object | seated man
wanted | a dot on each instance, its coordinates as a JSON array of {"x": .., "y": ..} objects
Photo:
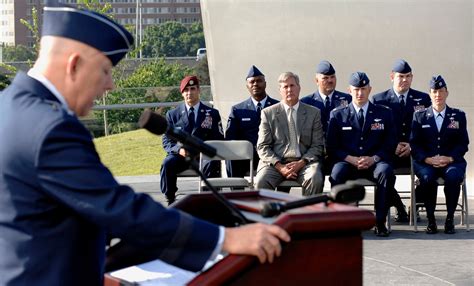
[
  {"x": 360, "y": 142},
  {"x": 403, "y": 101},
  {"x": 326, "y": 98},
  {"x": 244, "y": 120},
  {"x": 438, "y": 142},
  {"x": 198, "y": 120},
  {"x": 290, "y": 141}
]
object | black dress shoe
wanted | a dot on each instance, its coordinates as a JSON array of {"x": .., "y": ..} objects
[
  {"x": 380, "y": 230},
  {"x": 449, "y": 226},
  {"x": 432, "y": 228},
  {"x": 401, "y": 215}
]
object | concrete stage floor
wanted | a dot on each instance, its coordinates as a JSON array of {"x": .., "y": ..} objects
[{"x": 404, "y": 258}]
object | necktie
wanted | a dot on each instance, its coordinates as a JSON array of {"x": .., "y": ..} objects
[
  {"x": 361, "y": 118},
  {"x": 259, "y": 109},
  {"x": 293, "y": 137},
  {"x": 402, "y": 100},
  {"x": 191, "y": 119},
  {"x": 327, "y": 104}
]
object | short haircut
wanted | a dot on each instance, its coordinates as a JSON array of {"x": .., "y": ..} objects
[{"x": 286, "y": 75}]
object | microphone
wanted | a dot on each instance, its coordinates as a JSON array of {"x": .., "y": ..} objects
[
  {"x": 346, "y": 193},
  {"x": 158, "y": 125}
]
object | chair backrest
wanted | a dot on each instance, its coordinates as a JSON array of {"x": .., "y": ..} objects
[{"x": 231, "y": 150}]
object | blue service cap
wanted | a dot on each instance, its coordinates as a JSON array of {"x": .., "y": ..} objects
[
  {"x": 325, "y": 68},
  {"x": 437, "y": 82},
  {"x": 253, "y": 72},
  {"x": 401, "y": 66},
  {"x": 359, "y": 79},
  {"x": 88, "y": 27}
]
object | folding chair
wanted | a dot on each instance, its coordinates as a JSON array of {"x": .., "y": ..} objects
[
  {"x": 463, "y": 204},
  {"x": 229, "y": 150}
]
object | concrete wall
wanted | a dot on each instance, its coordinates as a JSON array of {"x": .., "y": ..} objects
[{"x": 434, "y": 36}]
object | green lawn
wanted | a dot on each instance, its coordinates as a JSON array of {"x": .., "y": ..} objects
[{"x": 131, "y": 153}]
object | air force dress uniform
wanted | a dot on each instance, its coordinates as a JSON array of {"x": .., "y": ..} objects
[
  {"x": 337, "y": 99},
  {"x": 346, "y": 136},
  {"x": 450, "y": 140},
  {"x": 243, "y": 123},
  {"x": 58, "y": 202},
  {"x": 413, "y": 100},
  {"x": 207, "y": 126}
]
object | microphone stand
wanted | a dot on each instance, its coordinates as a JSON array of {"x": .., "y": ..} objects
[{"x": 241, "y": 220}]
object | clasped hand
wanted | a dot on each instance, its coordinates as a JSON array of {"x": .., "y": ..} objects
[
  {"x": 290, "y": 170},
  {"x": 439, "y": 161}
]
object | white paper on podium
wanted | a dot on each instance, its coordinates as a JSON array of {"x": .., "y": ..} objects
[
  {"x": 154, "y": 273},
  {"x": 159, "y": 273}
]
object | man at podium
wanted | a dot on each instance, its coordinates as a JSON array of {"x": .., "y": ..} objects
[{"x": 58, "y": 202}]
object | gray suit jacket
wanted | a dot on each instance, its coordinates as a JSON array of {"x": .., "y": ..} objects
[{"x": 274, "y": 138}]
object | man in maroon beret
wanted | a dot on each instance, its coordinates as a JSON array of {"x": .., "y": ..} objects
[{"x": 197, "y": 119}]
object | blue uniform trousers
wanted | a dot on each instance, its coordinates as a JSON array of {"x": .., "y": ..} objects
[
  {"x": 453, "y": 176},
  {"x": 381, "y": 173},
  {"x": 174, "y": 164}
]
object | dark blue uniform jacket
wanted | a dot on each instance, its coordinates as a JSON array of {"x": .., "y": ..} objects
[{"x": 58, "y": 201}]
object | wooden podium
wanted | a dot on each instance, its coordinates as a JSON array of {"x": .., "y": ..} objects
[{"x": 325, "y": 247}]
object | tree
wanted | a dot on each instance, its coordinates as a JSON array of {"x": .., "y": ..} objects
[
  {"x": 156, "y": 81},
  {"x": 4, "y": 81},
  {"x": 172, "y": 39},
  {"x": 18, "y": 53}
]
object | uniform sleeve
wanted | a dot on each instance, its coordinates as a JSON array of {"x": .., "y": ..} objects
[
  {"x": 71, "y": 174},
  {"x": 217, "y": 130},
  {"x": 416, "y": 142},
  {"x": 335, "y": 151},
  {"x": 232, "y": 126},
  {"x": 460, "y": 147},
  {"x": 170, "y": 145}
]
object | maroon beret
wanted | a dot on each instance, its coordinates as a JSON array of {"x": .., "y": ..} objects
[{"x": 190, "y": 80}]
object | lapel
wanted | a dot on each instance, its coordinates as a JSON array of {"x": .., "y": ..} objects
[
  {"x": 431, "y": 120},
  {"x": 446, "y": 120},
  {"x": 353, "y": 117},
  {"x": 270, "y": 101},
  {"x": 300, "y": 120},
  {"x": 318, "y": 97},
  {"x": 182, "y": 112},
  {"x": 369, "y": 118},
  {"x": 200, "y": 116},
  {"x": 282, "y": 120},
  {"x": 249, "y": 105}
]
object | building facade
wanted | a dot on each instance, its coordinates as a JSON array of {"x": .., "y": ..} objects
[{"x": 126, "y": 12}]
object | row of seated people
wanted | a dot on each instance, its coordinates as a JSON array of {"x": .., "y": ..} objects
[{"x": 343, "y": 133}]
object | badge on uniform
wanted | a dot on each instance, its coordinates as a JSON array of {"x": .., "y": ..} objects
[
  {"x": 453, "y": 124},
  {"x": 207, "y": 122},
  {"x": 377, "y": 125},
  {"x": 418, "y": 108},
  {"x": 343, "y": 103}
]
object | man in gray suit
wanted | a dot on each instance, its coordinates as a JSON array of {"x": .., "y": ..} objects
[{"x": 290, "y": 141}]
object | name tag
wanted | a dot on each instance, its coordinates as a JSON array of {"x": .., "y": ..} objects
[
  {"x": 347, "y": 128},
  {"x": 425, "y": 126},
  {"x": 245, "y": 119}
]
